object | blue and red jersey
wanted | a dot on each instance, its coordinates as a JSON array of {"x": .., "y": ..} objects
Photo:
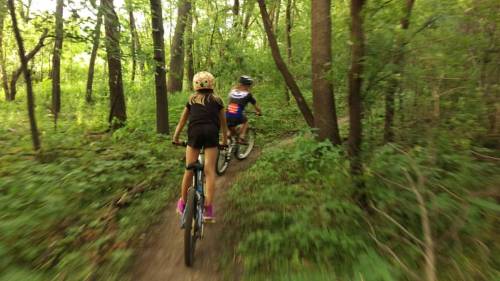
[{"x": 238, "y": 100}]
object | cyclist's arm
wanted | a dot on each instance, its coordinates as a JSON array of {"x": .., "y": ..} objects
[
  {"x": 182, "y": 123},
  {"x": 223, "y": 125},
  {"x": 257, "y": 109},
  {"x": 253, "y": 101}
]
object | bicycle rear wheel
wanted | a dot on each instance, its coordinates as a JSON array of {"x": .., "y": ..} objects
[
  {"x": 190, "y": 227},
  {"x": 245, "y": 149},
  {"x": 222, "y": 163}
]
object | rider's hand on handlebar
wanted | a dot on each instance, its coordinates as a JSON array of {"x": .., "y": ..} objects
[
  {"x": 176, "y": 141},
  {"x": 223, "y": 145}
]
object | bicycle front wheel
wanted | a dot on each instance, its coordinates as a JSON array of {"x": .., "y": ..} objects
[
  {"x": 245, "y": 149},
  {"x": 222, "y": 162},
  {"x": 190, "y": 227}
]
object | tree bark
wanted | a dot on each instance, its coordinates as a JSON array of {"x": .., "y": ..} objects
[
  {"x": 281, "y": 65},
  {"x": 29, "y": 88},
  {"x": 135, "y": 45},
  {"x": 277, "y": 16},
  {"x": 176, "y": 71},
  {"x": 160, "y": 74},
  {"x": 93, "y": 55},
  {"x": 17, "y": 73},
  {"x": 236, "y": 11},
  {"x": 394, "y": 83},
  {"x": 355, "y": 99},
  {"x": 117, "y": 98},
  {"x": 288, "y": 19},
  {"x": 248, "y": 16},
  {"x": 56, "y": 60},
  {"x": 3, "y": 71},
  {"x": 288, "y": 35},
  {"x": 189, "y": 47},
  {"x": 325, "y": 115}
]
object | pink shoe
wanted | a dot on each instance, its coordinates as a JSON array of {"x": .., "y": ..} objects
[
  {"x": 208, "y": 215},
  {"x": 181, "y": 205}
]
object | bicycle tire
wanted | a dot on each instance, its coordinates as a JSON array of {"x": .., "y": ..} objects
[
  {"x": 190, "y": 228},
  {"x": 222, "y": 164},
  {"x": 244, "y": 150}
]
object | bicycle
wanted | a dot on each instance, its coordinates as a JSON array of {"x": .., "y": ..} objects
[
  {"x": 192, "y": 219},
  {"x": 240, "y": 150}
]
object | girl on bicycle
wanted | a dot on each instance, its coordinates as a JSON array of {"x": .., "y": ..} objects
[
  {"x": 239, "y": 97},
  {"x": 206, "y": 115}
]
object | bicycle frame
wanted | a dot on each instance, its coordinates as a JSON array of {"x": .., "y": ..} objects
[{"x": 198, "y": 185}]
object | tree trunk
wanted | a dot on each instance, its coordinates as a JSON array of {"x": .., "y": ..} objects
[
  {"x": 189, "y": 47},
  {"x": 394, "y": 83},
  {"x": 325, "y": 115},
  {"x": 160, "y": 75},
  {"x": 3, "y": 71},
  {"x": 277, "y": 16},
  {"x": 56, "y": 60},
  {"x": 117, "y": 99},
  {"x": 209, "y": 60},
  {"x": 288, "y": 35},
  {"x": 355, "y": 99},
  {"x": 93, "y": 55},
  {"x": 288, "y": 30},
  {"x": 176, "y": 71},
  {"x": 29, "y": 88},
  {"x": 281, "y": 65},
  {"x": 133, "y": 51},
  {"x": 17, "y": 73},
  {"x": 135, "y": 45},
  {"x": 236, "y": 12},
  {"x": 248, "y": 16}
]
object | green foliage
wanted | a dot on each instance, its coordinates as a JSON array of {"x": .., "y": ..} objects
[
  {"x": 299, "y": 216},
  {"x": 297, "y": 210},
  {"x": 450, "y": 182},
  {"x": 59, "y": 211}
]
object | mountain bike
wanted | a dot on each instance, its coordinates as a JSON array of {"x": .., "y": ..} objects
[
  {"x": 236, "y": 148},
  {"x": 192, "y": 219}
]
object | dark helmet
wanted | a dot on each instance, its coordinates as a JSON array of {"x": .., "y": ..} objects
[{"x": 246, "y": 80}]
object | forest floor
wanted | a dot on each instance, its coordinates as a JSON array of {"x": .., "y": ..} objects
[{"x": 162, "y": 254}]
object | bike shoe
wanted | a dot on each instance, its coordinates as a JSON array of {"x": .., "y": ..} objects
[
  {"x": 181, "y": 205},
  {"x": 208, "y": 215}
]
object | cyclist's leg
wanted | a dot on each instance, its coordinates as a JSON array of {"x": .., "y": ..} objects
[
  {"x": 191, "y": 157},
  {"x": 210, "y": 160},
  {"x": 244, "y": 128}
]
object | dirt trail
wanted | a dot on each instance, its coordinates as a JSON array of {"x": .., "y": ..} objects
[{"x": 162, "y": 257}]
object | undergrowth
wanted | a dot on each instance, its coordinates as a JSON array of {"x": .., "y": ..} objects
[{"x": 292, "y": 216}]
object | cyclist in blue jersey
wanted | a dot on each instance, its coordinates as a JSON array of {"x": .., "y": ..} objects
[{"x": 239, "y": 97}]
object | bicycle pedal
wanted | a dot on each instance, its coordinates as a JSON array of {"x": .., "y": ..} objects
[{"x": 210, "y": 221}]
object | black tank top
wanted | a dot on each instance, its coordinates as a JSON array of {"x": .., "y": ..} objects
[{"x": 204, "y": 109}]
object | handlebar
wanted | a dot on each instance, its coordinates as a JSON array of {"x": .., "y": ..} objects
[
  {"x": 254, "y": 113},
  {"x": 182, "y": 143}
]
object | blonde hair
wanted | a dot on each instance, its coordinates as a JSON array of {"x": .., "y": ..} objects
[{"x": 200, "y": 98}]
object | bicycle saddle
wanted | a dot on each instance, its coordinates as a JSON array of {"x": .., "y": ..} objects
[{"x": 195, "y": 166}]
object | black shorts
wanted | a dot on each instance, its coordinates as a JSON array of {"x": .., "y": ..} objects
[
  {"x": 201, "y": 136},
  {"x": 233, "y": 121}
]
